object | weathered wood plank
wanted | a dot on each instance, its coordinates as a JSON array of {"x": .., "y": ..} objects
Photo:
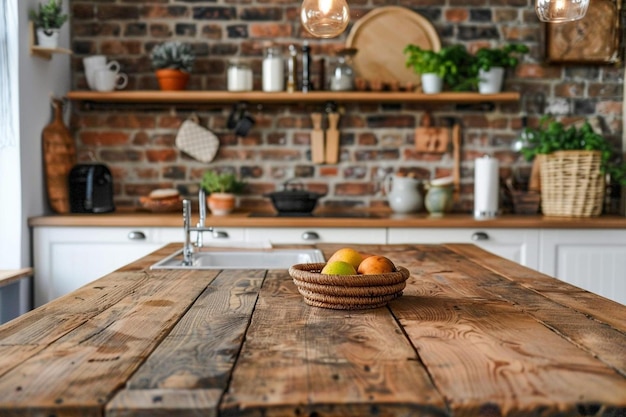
[
  {"x": 38, "y": 328},
  {"x": 9, "y": 276},
  {"x": 581, "y": 328},
  {"x": 199, "y": 353},
  {"x": 299, "y": 360},
  {"x": 166, "y": 403},
  {"x": 562, "y": 292},
  {"x": 90, "y": 362},
  {"x": 44, "y": 325},
  {"x": 480, "y": 347}
]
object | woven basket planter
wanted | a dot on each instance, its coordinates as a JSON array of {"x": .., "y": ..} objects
[
  {"x": 347, "y": 292},
  {"x": 572, "y": 184}
]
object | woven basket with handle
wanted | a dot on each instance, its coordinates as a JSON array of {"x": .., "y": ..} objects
[
  {"x": 347, "y": 292},
  {"x": 572, "y": 184}
]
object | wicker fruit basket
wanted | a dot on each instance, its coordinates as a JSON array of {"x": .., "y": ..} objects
[
  {"x": 347, "y": 292},
  {"x": 572, "y": 184}
]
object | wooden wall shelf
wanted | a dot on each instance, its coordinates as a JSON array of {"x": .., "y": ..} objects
[
  {"x": 209, "y": 97},
  {"x": 46, "y": 53},
  {"x": 40, "y": 51}
]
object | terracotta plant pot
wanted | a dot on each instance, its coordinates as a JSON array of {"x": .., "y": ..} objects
[
  {"x": 221, "y": 204},
  {"x": 172, "y": 79}
]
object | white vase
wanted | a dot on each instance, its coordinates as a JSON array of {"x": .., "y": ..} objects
[
  {"x": 490, "y": 82},
  {"x": 431, "y": 83},
  {"x": 48, "y": 40}
]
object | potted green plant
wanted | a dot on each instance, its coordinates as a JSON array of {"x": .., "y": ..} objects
[
  {"x": 48, "y": 18},
  {"x": 173, "y": 62},
  {"x": 447, "y": 67},
  {"x": 221, "y": 189},
  {"x": 573, "y": 164},
  {"x": 490, "y": 64}
]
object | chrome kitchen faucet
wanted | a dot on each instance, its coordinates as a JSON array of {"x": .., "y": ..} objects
[{"x": 200, "y": 227}]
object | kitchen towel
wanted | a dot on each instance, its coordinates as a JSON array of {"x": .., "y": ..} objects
[
  {"x": 197, "y": 141},
  {"x": 486, "y": 185}
]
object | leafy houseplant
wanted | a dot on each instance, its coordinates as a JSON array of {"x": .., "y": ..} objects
[
  {"x": 552, "y": 136},
  {"x": 451, "y": 64},
  {"x": 173, "y": 61},
  {"x": 48, "y": 19},
  {"x": 573, "y": 163},
  {"x": 222, "y": 188},
  {"x": 490, "y": 63}
]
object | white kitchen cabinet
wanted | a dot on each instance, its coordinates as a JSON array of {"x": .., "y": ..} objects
[
  {"x": 519, "y": 245},
  {"x": 282, "y": 235},
  {"x": 66, "y": 258},
  {"x": 594, "y": 260}
]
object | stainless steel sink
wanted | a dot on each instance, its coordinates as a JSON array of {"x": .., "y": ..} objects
[{"x": 242, "y": 259}]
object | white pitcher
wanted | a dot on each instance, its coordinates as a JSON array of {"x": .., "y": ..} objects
[{"x": 403, "y": 194}]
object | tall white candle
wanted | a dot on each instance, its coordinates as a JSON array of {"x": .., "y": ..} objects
[{"x": 486, "y": 187}]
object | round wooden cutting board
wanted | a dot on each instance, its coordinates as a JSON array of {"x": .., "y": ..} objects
[{"x": 381, "y": 36}]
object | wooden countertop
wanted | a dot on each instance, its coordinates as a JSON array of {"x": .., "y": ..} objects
[
  {"x": 473, "y": 335},
  {"x": 364, "y": 219}
]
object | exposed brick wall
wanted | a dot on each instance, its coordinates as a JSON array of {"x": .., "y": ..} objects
[{"x": 137, "y": 141}]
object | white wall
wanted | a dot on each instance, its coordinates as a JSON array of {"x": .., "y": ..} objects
[{"x": 37, "y": 79}]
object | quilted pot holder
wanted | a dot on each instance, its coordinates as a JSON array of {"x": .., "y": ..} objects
[{"x": 197, "y": 141}]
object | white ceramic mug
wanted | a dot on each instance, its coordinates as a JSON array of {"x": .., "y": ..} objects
[
  {"x": 97, "y": 62},
  {"x": 109, "y": 80}
]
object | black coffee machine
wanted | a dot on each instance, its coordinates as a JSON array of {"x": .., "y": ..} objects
[{"x": 91, "y": 189}]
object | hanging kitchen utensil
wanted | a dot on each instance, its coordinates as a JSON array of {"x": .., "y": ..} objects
[
  {"x": 317, "y": 139},
  {"x": 429, "y": 138},
  {"x": 197, "y": 141},
  {"x": 240, "y": 120},
  {"x": 59, "y": 153},
  {"x": 332, "y": 138},
  {"x": 456, "y": 149}
]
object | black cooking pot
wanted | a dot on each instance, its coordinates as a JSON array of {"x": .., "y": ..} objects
[{"x": 294, "y": 199}]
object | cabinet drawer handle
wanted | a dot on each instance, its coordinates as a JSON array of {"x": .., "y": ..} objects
[
  {"x": 220, "y": 234},
  {"x": 136, "y": 235},
  {"x": 480, "y": 236},
  {"x": 310, "y": 236}
]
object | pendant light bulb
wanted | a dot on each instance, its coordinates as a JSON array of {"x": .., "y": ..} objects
[
  {"x": 325, "y": 18},
  {"x": 557, "y": 11}
]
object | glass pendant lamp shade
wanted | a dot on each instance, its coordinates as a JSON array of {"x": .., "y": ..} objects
[
  {"x": 325, "y": 18},
  {"x": 561, "y": 10}
]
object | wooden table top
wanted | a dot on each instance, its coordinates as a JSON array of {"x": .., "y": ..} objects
[{"x": 473, "y": 335}]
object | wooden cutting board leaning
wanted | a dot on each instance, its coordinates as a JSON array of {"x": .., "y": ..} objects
[
  {"x": 317, "y": 139},
  {"x": 332, "y": 139}
]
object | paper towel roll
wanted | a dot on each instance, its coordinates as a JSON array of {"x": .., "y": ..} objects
[{"x": 486, "y": 187}]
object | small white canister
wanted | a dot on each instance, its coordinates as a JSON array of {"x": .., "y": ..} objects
[{"x": 239, "y": 76}]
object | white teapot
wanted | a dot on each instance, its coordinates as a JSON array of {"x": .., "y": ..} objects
[{"x": 403, "y": 194}]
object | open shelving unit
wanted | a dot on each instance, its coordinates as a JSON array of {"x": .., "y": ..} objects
[{"x": 157, "y": 96}]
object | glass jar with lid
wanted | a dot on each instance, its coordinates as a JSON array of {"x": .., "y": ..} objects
[
  {"x": 273, "y": 69},
  {"x": 342, "y": 76},
  {"x": 239, "y": 75}
]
